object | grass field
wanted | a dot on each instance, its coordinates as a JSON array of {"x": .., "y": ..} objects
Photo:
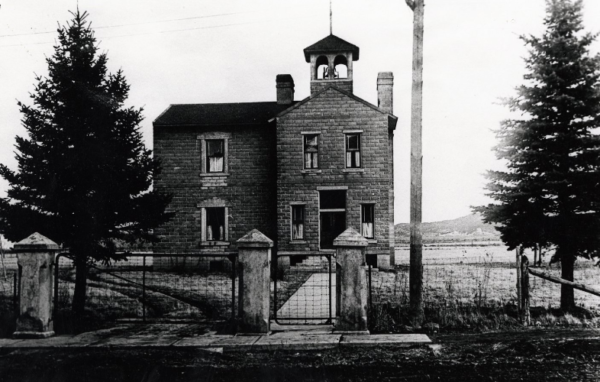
[
  {"x": 467, "y": 286},
  {"x": 476, "y": 274}
]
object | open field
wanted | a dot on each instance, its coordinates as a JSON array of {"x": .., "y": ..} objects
[{"x": 487, "y": 274}]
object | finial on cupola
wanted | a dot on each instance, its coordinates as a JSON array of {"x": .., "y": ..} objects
[{"x": 330, "y": 18}]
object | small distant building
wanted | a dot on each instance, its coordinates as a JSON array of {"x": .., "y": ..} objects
[{"x": 301, "y": 172}]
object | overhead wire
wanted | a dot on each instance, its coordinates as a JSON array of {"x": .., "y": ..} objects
[
  {"x": 133, "y": 24},
  {"x": 168, "y": 31}
]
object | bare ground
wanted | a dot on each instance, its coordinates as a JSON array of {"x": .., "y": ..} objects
[{"x": 561, "y": 355}]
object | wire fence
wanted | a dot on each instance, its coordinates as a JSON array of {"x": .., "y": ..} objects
[
  {"x": 9, "y": 292},
  {"x": 304, "y": 289},
  {"x": 171, "y": 287},
  {"x": 477, "y": 284}
]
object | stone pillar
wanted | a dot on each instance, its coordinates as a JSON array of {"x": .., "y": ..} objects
[
  {"x": 352, "y": 280},
  {"x": 35, "y": 256},
  {"x": 255, "y": 262}
]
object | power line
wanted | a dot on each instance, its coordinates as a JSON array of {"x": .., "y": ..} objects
[
  {"x": 170, "y": 31},
  {"x": 141, "y": 23}
]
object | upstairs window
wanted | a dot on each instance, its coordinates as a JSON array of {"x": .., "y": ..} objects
[
  {"x": 311, "y": 151},
  {"x": 297, "y": 222},
  {"x": 215, "y": 155},
  {"x": 353, "y": 158},
  {"x": 368, "y": 220},
  {"x": 215, "y": 224}
]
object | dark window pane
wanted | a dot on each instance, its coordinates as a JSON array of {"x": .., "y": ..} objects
[
  {"x": 311, "y": 143},
  {"x": 215, "y": 223},
  {"x": 297, "y": 222},
  {"x": 353, "y": 142},
  {"x": 214, "y": 147},
  {"x": 332, "y": 199},
  {"x": 368, "y": 220}
]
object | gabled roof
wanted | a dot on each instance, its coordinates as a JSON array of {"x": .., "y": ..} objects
[
  {"x": 211, "y": 114},
  {"x": 331, "y": 44},
  {"x": 392, "y": 119}
]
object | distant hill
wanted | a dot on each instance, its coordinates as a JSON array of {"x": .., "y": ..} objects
[{"x": 466, "y": 228}]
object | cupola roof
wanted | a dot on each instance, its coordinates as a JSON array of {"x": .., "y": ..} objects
[{"x": 331, "y": 44}]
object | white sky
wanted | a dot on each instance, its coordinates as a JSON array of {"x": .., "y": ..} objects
[{"x": 205, "y": 51}]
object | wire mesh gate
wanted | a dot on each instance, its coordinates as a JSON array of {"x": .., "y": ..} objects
[
  {"x": 10, "y": 276},
  {"x": 165, "y": 287},
  {"x": 304, "y": 289}
]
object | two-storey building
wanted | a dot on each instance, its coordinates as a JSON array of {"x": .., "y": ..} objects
[{"x": 300, "y": 172}]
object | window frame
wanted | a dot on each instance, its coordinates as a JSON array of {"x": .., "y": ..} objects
[
  {"x": 202, "y": 149},
  {"x": 208, "y": 156},
  {"x": 348, "y": 150},
  {"x": 204, "y": 225},
  {"x": 363, "y": 206},
  {"x": 301, "y": 207},
  {"x": 305, "y": 137}
]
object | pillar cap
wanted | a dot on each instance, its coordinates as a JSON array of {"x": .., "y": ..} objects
[
  {"x": 350, "y": 238},
  {"x": 255, "y": 239},
  {"x": 35, "y": 241}
]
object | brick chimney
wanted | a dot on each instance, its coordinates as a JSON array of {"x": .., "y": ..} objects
[
  {"x": 285, "y": 89},
  {"x": 385, "y": 95}
]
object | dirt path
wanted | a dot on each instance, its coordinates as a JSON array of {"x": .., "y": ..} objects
[{"x": 559, "y": 355}]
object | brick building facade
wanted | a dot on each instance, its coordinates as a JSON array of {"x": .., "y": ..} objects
[{"x": 300, "y": 172}]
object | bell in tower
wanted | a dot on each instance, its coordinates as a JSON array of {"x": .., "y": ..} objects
[{"x": 331, "y": 63}]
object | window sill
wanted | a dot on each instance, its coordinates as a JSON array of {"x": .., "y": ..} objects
[
  {"x": 311, "y": 171},
  {"x": 327, "y": 250},
  {"x": 372, "y": 241},
  {"x": 347, "y": 170},
  {"x": 214, "y": 243},
  {"x": 213, "y": 174},
  {"x": 298, "y": 242}
]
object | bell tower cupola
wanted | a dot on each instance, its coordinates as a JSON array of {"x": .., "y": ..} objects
[{"x": 331, "y": 63}]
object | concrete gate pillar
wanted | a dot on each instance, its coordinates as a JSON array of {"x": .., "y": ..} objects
[
  {"x": 255, "y": 262},
  {"x": 36, "y": 260},
  {"x": 352, "y": 281}
]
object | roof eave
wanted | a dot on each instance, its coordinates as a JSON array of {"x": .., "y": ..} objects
[{"x": 161, "y": 114}]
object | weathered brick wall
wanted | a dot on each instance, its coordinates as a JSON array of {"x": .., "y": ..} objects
[
  {"x": 248, "y": 191},
  {"x": 331, "y": 113},
  {"x": 318, "y": 85}
]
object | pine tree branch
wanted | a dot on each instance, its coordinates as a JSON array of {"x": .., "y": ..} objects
[{"x": 411, "y": 4}]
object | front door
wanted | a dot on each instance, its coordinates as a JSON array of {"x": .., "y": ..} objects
[
  {"x": 332, "y": 216},
  {"x": 332, "y": 225}
]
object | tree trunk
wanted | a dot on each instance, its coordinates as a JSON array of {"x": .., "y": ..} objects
[
  {"x": 79, "y": 294},
  {"x": 416, "y": 166},
  {"x": 567, "y": 295}
]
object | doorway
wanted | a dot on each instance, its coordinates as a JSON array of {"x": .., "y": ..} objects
[{"x": 332, "y": 216}]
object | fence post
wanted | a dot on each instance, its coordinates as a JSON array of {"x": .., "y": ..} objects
[
  {"x": 144, "y": 288},
  {"x": 255, "y": 262},
  {"x": 525, "y": 314},
  {"x": 350, "y": 246},
  {"x": 15, "y": 294},
  {"x": 518, "y": 266},
  {"x": 35, "y": 256}
]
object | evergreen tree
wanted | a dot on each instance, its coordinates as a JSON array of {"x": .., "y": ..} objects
[
  {"x": 550, "y": 193},
  {"x": 84, "y": 175}
]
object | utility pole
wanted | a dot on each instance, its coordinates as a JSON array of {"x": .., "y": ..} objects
[{"x": 416, "y": 166}]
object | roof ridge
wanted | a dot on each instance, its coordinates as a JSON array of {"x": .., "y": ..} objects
[{"x": 219, "y": 103}]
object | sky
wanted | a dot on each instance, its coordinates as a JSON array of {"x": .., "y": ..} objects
[{"x": 206, "y": 51}]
